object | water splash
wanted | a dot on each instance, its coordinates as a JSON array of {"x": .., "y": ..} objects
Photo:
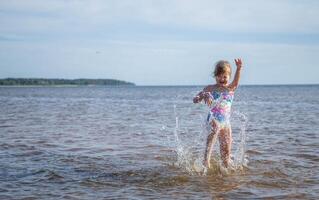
[
  {"x": 189, "y": 147},
  {"x": 240, "y": 158},
  {"x": 185, "y": 152}
]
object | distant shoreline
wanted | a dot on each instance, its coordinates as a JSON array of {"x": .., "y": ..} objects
[
  {"x": 56, "y": 82},
  {"x": 61, "y": 86}
]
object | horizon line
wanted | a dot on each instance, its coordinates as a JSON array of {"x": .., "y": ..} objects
[
  {"x": 90, "y": 85},
  {"x": 172, "y": 85},
  {"x": 258, "y": 84}
]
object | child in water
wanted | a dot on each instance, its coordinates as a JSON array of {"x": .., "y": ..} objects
[{"x": 219, "y": 98}]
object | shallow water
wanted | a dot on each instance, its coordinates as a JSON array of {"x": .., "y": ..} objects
[{"x": 147, "y": 143}]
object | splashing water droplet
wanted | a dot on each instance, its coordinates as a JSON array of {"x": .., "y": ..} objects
[{"x": 190, "y": 151}]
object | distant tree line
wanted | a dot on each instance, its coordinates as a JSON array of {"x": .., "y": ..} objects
[{"x": 54, "y": 81}]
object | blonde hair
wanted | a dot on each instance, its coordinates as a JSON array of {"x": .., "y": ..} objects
[{"x": 222, "y": 67}]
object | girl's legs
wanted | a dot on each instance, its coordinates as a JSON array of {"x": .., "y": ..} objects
[
  {"x": 211, "y": 140},
  {"x": 225, "y": 141}
]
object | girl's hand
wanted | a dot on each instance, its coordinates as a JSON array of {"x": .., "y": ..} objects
[
  {"x": 239, "y": 63},
  {"x": 203, "y": 96},
  {"x": 198, "y": 98}
]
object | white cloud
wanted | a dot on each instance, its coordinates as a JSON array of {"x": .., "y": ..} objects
[
  {"x": 236, "y": 16},
  {"x": 167, "y": 61}
]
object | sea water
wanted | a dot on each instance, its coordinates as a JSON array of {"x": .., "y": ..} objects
[{"x": 148, "y": 143}]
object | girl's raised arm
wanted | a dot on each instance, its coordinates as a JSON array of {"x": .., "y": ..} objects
[{"x": 235, "y": 83}]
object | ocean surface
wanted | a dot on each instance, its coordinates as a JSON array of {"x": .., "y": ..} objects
[{"x": 148, "y": 143}]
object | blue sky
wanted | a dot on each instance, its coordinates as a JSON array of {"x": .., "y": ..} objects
[{"x": 160, "y": 42}]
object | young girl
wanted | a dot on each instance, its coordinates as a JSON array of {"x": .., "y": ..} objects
[{"x": 219, "y": 98}]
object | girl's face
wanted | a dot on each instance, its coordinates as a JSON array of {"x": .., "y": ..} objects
[{"x": 222, "y": 79}]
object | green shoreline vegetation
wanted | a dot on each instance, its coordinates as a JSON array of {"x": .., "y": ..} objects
[{"x": 58, "y": 82}]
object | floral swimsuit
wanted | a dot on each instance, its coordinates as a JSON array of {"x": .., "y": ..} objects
[{"x": 219, "y": 110}]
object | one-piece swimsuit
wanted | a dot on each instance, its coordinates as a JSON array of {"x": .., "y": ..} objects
[{"x": 220, "y": 109}]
